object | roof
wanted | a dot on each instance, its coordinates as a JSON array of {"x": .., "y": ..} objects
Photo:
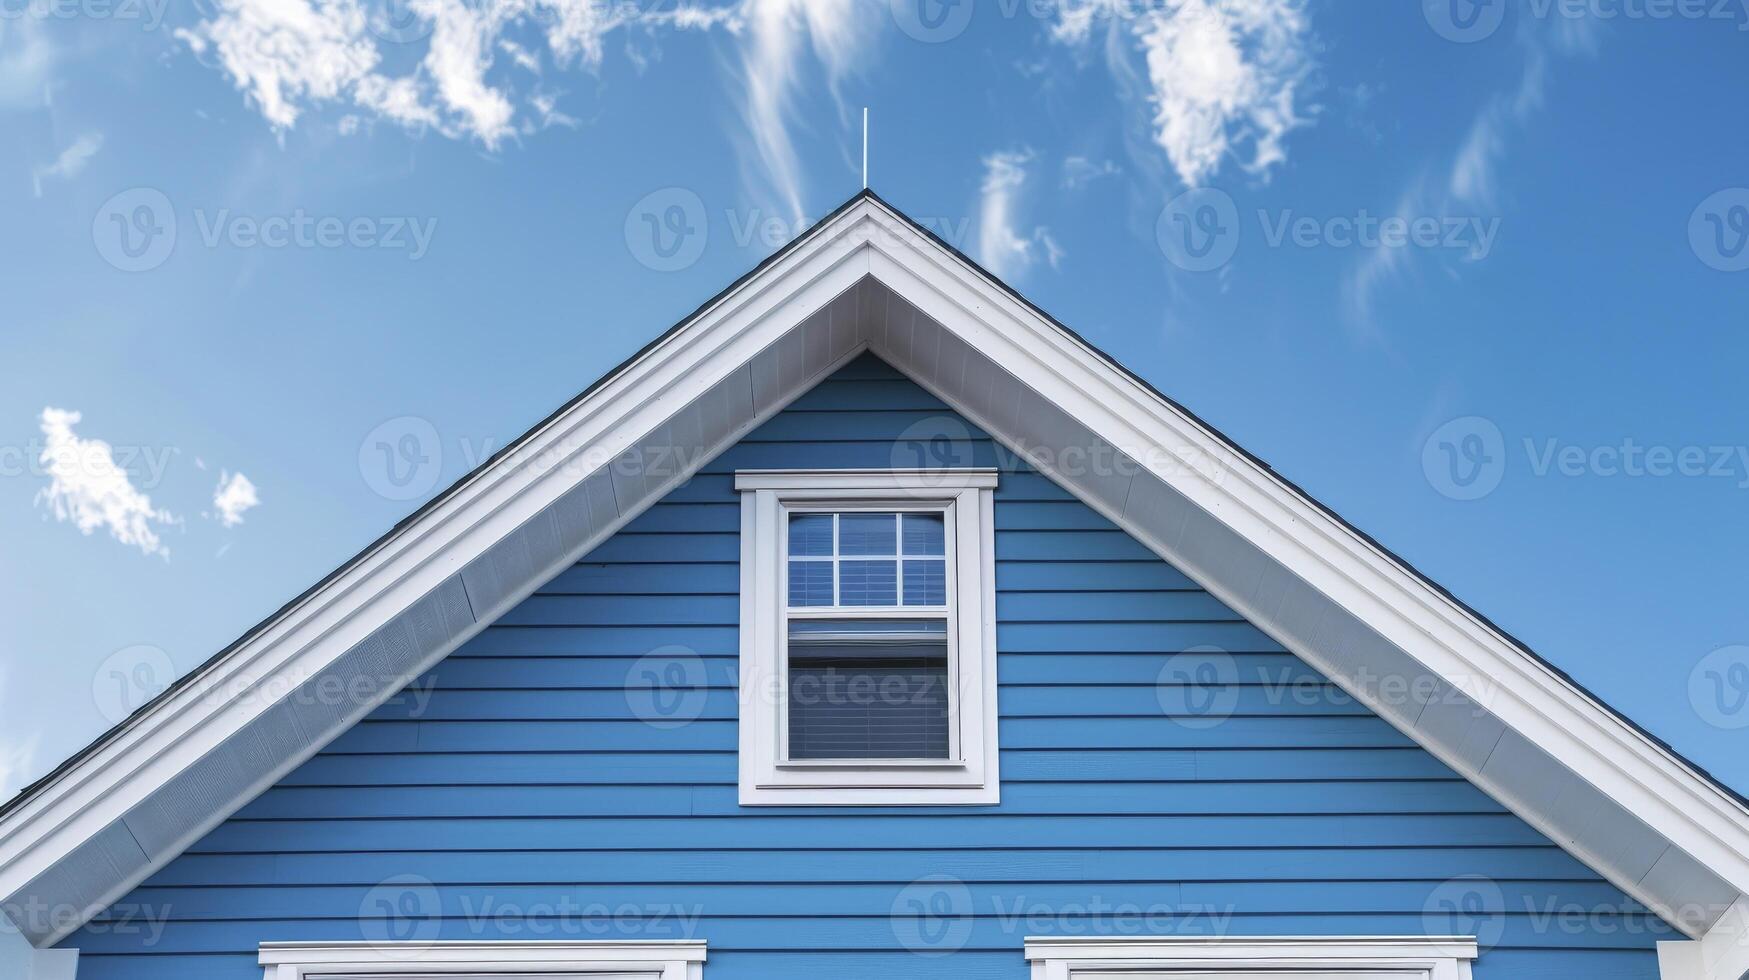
[{"x": 868, "y": 278}]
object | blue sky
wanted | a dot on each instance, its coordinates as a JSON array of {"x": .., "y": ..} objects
[{"x": 1473, "y": 275}]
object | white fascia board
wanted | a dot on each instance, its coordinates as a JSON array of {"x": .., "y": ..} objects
[
  {"x": 1524, "y": 693},
  {"x": 1721, "y": 954},
  {"x": 175, "y": 733}
]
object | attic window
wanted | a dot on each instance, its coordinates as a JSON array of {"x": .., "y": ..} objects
[{"x": 867, "y": 637}]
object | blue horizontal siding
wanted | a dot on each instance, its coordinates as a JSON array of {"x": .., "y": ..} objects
[{"x": 516, "y": 779}]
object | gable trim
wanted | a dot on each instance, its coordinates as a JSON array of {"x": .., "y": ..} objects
[{"x": 1156, "y": 437}]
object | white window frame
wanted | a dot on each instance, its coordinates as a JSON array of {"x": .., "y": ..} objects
[
  {"x": 678, "y": 959},
  {"x": 1252, "y": 957},
  {"x": 970, "y": 775}
]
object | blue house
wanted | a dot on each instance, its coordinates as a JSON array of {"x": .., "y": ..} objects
[{"x": 870, "y": 624}]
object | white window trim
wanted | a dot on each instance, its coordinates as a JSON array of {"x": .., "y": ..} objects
[
  {"x": 680, "y": 959},
  {"x": 1421, "y": 957},
  {"x": 971, "y": 776}
]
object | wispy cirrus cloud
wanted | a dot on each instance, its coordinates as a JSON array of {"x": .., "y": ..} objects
[
  {"x": 1469, "y": 183},
  {"x": 780, "y": 40},
  {"x": 69, "y": 163},
  {"x": 1003, "y": 247},
  {"x": 1225, "y": 77},
  {"x": 91, "y": 491}
]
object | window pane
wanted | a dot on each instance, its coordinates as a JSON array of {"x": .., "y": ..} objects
[
  {"x": 810, "y": 534},
  {"x": 868, "y": 534},
  {"x": 926, "y": 583},
  {"x": 810, "y": 583},
  {"x": 925, "y": 534},
  {"x": 868, "y": 583},
  {"x": 868, "y": 699}
]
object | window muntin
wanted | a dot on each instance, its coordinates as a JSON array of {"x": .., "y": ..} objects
[
  {"x": 867, "y": 558},
  {"x": 858, "y": 687}
]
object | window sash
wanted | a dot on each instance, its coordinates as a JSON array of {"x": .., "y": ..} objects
[{"x": 837, "y": 611}]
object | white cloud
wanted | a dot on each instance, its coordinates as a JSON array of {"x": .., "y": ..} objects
[
  {"x": 778, "y": 33},
  {"x": 288, "y": 56},
  {"x": 1078, "y": 171},
  {"x": 234, "y": 495},
  {"x": 1224, "y": 75},
  {"x": 1002, "y": 248},
  {"x": 88, "y": 488},
  {"x": 282, "y": 53},
  {"x": 71, "y": 161},
  {"x": 1470, "y": 185},
  {"x": 26, "y": 59}
]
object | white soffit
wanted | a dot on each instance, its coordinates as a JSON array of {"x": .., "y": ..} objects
[{"x": 88, "y": 833}]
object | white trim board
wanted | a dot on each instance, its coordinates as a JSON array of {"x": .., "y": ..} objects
[
  {"x": 1252, "y": 957},
  {"x": 614, "y": 960},
  {"x": 867, "y": 278}
]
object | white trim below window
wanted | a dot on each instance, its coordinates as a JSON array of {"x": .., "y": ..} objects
[
  {"x": 1247, "y": 957},
  {"x": 678, "y": 959},
  {"x": 969, "y": 774}
]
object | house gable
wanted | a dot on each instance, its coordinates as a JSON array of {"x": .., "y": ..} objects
[
  {"x": 529, "y": 786},
  {"x": 867, "y": 278}
]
